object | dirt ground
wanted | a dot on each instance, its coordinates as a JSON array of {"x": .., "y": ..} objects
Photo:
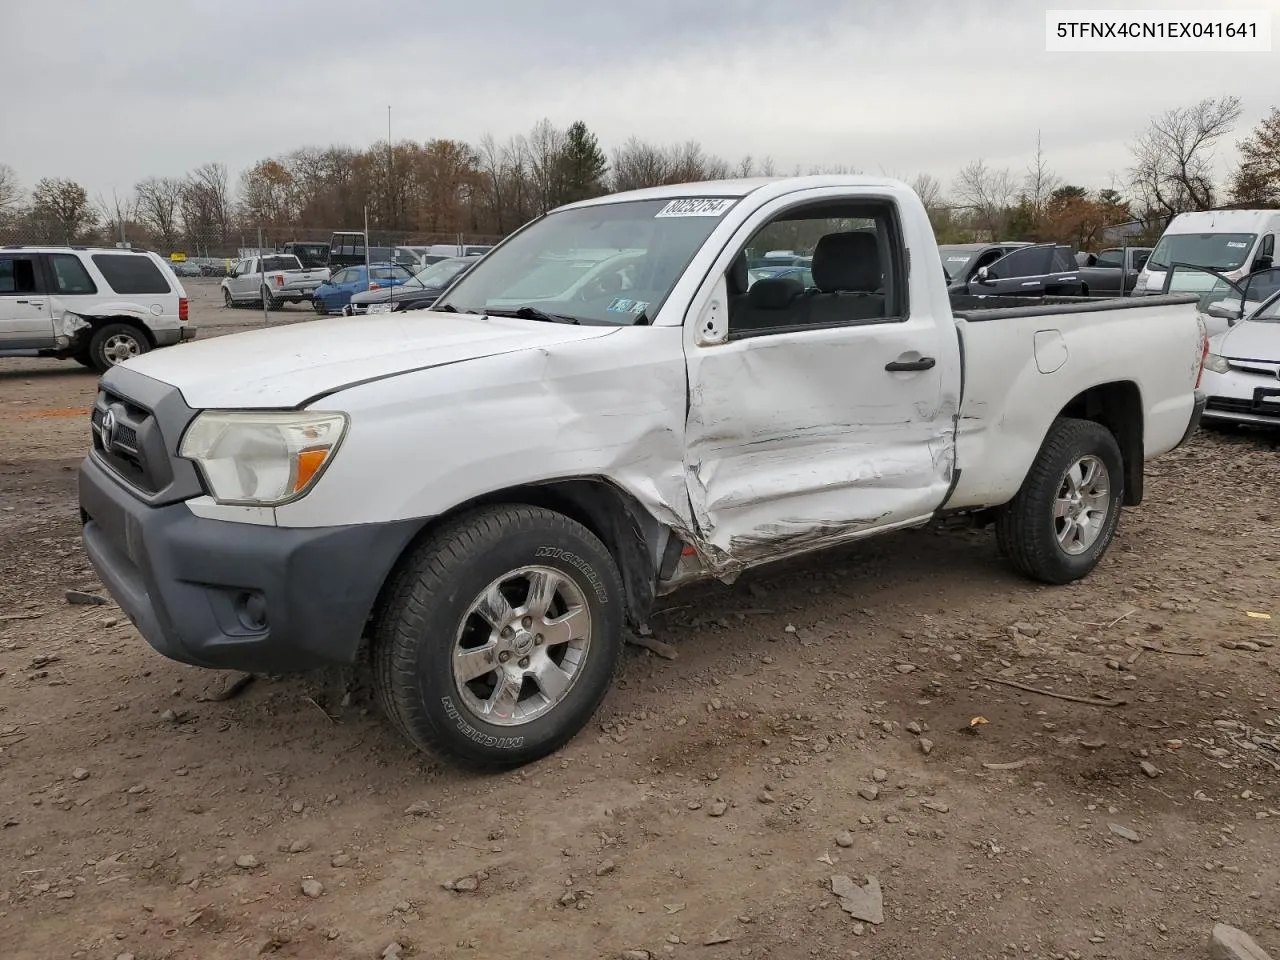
[{"x": 818, "y": 721}]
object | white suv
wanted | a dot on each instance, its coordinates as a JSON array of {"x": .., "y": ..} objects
[{"x": 98, "y": 306}]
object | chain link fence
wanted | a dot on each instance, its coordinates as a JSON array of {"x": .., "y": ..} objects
[{"x": 213, "y": 251}]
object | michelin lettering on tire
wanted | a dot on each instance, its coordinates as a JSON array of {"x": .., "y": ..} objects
[
  {"x": 575, "y": 561},
  {"x": 471, "y": 733}
]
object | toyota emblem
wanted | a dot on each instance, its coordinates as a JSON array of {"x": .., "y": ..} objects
[{"x": 108, "y": 429}]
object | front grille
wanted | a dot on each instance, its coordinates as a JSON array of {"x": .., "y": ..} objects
[{"x": 133, "y": 446}]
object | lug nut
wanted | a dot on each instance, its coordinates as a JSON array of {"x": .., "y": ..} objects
[
  {"x": 504, "y": 656},
  {"x": 538, "y": 640},
  {"x": 506, "y": 632},
  {"x": 527, "y": 622},
  {"x": 524, "y": 661}
]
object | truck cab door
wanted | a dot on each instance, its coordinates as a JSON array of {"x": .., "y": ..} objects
[
  {"x": 817, "y": 416},
  {"x": 26, "y": 315}
]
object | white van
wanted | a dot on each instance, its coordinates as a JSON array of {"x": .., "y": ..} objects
[{"x": 1233, "y": 242}]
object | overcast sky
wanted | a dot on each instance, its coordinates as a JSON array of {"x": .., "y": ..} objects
[{"x": 109, "y": 92}]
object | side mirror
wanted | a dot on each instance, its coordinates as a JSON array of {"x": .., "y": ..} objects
[
  {"x": 983, "y": 275},
  {"x": 1224, "y": 311},
  {"x": 1262, "y": 263}
]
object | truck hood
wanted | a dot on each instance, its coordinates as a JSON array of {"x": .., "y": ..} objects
[
  {"x": 1251, "y": 340},
  {"x": 286, "y": 366}
]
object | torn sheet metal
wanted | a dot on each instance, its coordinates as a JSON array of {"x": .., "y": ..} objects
[{"x": 798, "y": 444}]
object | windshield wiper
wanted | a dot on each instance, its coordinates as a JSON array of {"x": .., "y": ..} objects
[
  {"x": 533, "y": 313},
  {"x": 447, "y": 308}
]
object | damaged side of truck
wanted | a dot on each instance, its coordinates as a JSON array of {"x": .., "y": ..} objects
[{"x": 603, "y": 409}]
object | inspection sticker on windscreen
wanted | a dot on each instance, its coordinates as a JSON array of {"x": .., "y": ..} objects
[
  {"x": 628, "y": 306},
  {"x": 696, "y": 207}
]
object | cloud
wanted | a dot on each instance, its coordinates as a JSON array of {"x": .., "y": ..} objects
[{"x": 146, "y": 87}]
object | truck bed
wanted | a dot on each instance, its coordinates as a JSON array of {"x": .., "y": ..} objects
[{"x": 979, "y": 309}]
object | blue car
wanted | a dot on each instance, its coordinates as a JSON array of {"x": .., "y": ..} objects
[{"x": 336, "y": 292}]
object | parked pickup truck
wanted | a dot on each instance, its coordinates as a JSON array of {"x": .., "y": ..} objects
[
  {"x": 483, "y": 499},
  {"x": 1113, "y": 272},
  {"x": 273, "y": 280}
]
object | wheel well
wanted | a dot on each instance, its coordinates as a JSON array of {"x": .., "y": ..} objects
[
  {"x": 637, "y": 541},
  {"x": 1118, "y": 407},
  {"x": 98, "y": 322}
]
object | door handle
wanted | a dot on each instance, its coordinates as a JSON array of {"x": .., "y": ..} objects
[
  {"x": 924, "y": 363},
  {"x": 1032, "y": 283}
]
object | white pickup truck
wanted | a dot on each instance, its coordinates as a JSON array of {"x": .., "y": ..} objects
[
  {"x": 483, "y": 497},
  {"x": 272, "y": 281}
]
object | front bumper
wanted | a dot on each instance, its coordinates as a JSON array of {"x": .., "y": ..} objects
[
  {"x": 235, "y": 596},
  {"x": 1241, "y": 397}
]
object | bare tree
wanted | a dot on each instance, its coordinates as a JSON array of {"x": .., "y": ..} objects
[
  {"x": 989, "y": 193},
  {"x": 768, "y": 168},
  {"x": 1040, "y": 181},
  {"x": 928, "y": 189},
  {"x": 545, "y": 147},
  {"x": 117, "y": 214},
  {"x": 1173, "y": 159},
  {"x": 206, "y": 204},
  {"x": 638, "y": 163},
  {"x": 745, "y": 167},
  {"x": 158, "y": 200},
  {"x": 10, "y": 192}
]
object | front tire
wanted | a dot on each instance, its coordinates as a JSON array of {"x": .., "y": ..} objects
[
  {"x": 227, "y": 302},
  {"x": 499, "y": 636},
  {"x": 115, "y": 343},
  {"x": 1058, "y": 527}
]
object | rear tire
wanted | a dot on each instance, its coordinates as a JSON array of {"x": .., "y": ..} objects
[
  {"x": 226, "y": 299},
  {"x": 114, "y": 343},
  {"x": 441, "y": 667},
  {"x": 1058, "y": 527},
  {"x": 268, "y": 301}
]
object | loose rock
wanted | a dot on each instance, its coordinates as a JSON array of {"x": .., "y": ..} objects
[
  {"x": 914, "y": 727},
  {"x": 418, "y": 809},
  {"x": 1150, "y": 769},
  {"x": 844, "y": 839},
  {"x": 861, "y": 903},
  {"x": 1124, "y": 833},
  {"x": 606, "y": 868},
  {"x": 392, "y": 951},
  {"x": 905, "y": 667},
  {"x": 247, "y": 861},
  {"x": 80, "y": 599},
  {"x": 300, "y": 846},
  {"x": 339, "y": 860},
  {"x": 79, "y": 773},
  {"x": 1229, "y": 943},
  {"x": 635, "y": 955},
  {"x": 926, "y": 745},
  {"x": 717, "y": 809},
  {"x": 869, "y": 792},
  {"x": 879, "y": 776},
  {"x": 312, "y": 887}
]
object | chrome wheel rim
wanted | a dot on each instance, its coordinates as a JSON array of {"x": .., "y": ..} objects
[
  {"x": 120, "y": 348},
  {"x": 521, "y": 646},
  {"x": 1083, "y": 503}
]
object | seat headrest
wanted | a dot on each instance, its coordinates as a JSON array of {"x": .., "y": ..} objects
[
  {"x": 774, "y": 293},
  {"x": 847, "y": 261},
  {"x": 739, "y": 276}
]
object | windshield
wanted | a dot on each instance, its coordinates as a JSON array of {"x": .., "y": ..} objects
[
  {"x": 609, "y": 263},
  {"x": 438, "y": 274},
  {"x": 1217, "y": 251},
  {"x": 1269, "y": 313},
  {"x": 954, "y": 262}
]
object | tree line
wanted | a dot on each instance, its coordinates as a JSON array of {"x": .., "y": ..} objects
[{"x": 437, "y": 189}]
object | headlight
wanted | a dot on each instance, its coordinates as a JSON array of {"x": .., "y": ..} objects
[
  {"x": 1216, "y": 364},
  {"x": 262, "y": 459}
]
